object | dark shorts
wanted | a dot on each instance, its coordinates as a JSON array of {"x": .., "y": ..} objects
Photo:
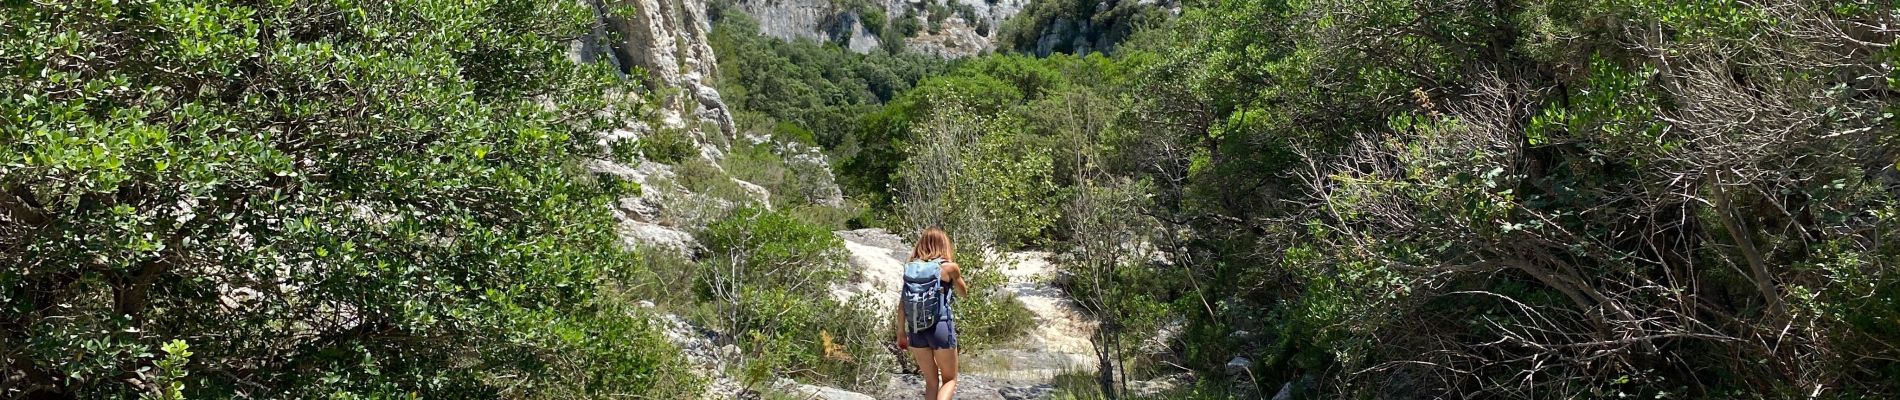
[{"x": 941, "y": 336}]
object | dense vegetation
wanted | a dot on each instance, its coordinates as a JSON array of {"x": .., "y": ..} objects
[
  {"x": 1345, "y": 199},
  {"x": 1538, "y": 199},
  {"x": 1076, "y": 26},
  {"x": 766, "y": 277},
  {"x": 1508, "y": 199},
  {"x": 297, "y": 199},
  {"x": 811, "y": 92}
]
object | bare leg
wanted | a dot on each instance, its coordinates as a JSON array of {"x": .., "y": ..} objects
[
  {"x": 927, "y": 367},
  {"x": 947, "y": 369}
]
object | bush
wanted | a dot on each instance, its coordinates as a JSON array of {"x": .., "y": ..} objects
[
  {"x": 705, "y": 178},
  {"x": 1025, "y": 30},
  {"x": 331, "y": 199},
  {"x": 817, "y": 92},
  {"x": 908, "y": 26},
  {"x": 768, "y": 281},
  {"x": 607, "y": 352},
  {"x": 667, "y": 146},
  {"x": 874, "y": 22},
  {"x": 979, "y": 178},
  {"x": 988, "y": 316},
  {"x": 1386, "y": 207},
  {"x": 792, "y": 184},
  {"x": 965, "y": 11},
  {"x": 936, "y": 12},
  {"x": 835, "y": 218},
  {"x": 1011, "y": 174}
]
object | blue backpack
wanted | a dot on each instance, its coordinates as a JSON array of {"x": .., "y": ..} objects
[{"x": 923, "y": 298}]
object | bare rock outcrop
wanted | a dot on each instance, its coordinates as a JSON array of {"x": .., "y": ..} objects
[
  {"x": 668, "y": 40},
  {"x": 962, "y": 34}
]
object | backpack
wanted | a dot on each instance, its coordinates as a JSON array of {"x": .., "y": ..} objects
[{"x": 923, "y": 294}]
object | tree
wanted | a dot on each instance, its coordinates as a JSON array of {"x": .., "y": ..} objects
[
  {"x": 322, "y": 199},
  {"x": 1530, "y": 199}
]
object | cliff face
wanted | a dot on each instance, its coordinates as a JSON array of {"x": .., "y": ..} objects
[
  {"x": 667, "y": 40},
  {"x": 1059, "y": 28},
  {"x": 960, "y": 34}
]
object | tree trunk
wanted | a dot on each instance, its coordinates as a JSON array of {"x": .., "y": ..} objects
[{"x": 1758, "y": 269}]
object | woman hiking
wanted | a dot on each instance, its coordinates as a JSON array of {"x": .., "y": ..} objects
[{"x": 924, "y": 317}]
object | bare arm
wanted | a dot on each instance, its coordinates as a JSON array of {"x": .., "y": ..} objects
[
  {"x": 903, "y": 341},
  {"x": 900, "y": 317},
  {"x": 955, "y": 274}
]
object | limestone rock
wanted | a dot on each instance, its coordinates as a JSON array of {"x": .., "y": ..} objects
[
  {"x": 862, "y": 40},
  {"x": 824, "y": 20},
  {"x": 877, "y": 258},
  {"x": 697, "y": 346},
  {"x": 667, "y": 39},
  {"x": 1036, "y": 392},
  {"x": 1157, "y": 386},
  {"x": 1163, "y": 340},
  {"x": 1238, "y": 365},
  {"x": 811, "y": 164},
  {"x": 970, "y": 387},
  {"x": 815, "y": 392},
  {"x": 650, "y": 235}
]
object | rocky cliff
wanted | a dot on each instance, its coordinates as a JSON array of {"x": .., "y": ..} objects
[
  {"x": 965, "y": 28},
  {"x": 667, "y": 40},
  {"x": 664, "y": 45}
]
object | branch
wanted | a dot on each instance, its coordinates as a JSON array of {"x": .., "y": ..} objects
[{"x": 17, "y": 209}]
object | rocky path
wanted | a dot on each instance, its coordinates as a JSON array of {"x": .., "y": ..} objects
[
  {"x": 1019, "y": 370},
  {"x": 1058, "y": 342}
]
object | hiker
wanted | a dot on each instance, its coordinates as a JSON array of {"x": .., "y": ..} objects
[{"x": 924, "y": 317}]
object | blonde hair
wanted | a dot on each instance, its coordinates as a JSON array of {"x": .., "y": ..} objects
[{"x": 933, "y": 244}]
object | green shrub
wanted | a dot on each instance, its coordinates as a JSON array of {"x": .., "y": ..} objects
[
  {"x": 768, "y": 281},
  {"x": 656, "y": 276},
  {"x": 792, "y": 132},
  {"x": 773, "y": 244},
  {"x": 836, "y": 218},
  {"x": 791, "y": 185},
  {"x": 988, "y": 317},
  {"x": 667, "y": 146},
  {"x": 907, "y": 26},
  {"x": 874, "y": 22},
  {"x": 936, "y": 12},
  {"x": 703, "y": 177},
  {"x": 328, "y": 199},
  {"x": 1011, "y": 175},
  {"x": 892, "y": 42},
  {"x": 812, "y": 92},
  {"x": 167, "y": 373},
  {"x": 1075, "y": 385},
  {"x": 980, "y": 178},
  {"x": 1025, "y": 30},
  {"x": 612, "y": 350},
  {"x": 965, "y": 11}
]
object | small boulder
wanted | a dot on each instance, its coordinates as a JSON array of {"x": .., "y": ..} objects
[
  {"x": 1239, "y": 365},
  {"x": 1037, "y": 392},
  {"x": 1157, "y": 386},
  {"x": 806, "y": 391}
]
